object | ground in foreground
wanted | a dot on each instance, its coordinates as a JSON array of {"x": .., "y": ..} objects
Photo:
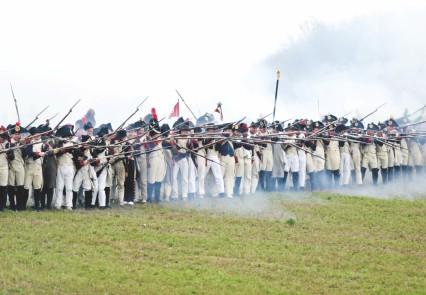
[{"x": 277, "y": 244}]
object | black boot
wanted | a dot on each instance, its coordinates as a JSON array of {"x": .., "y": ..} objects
[
  {"x": 295, "y": 177},
  {"x": 268, "y": 180},
  {"x": 3, "y": 197},
  {"x": 312, "y": 181},
  {"x": 11, "y": 191},
  {"x": 37, "y": 199},
  {"x": 87, "y": 200},
  {"x": 375, "y": 173},
  {"x": 74, "y": 200},
  {"x": 107, "y": 194},
  {"x": 384, "y": 173},
  {"x": 336, "y": 176},
  {"x": 363, "y": 171},
  {"x": 157, "y": 192},
  {"x": 390, "y": 174},
  {"x": 397, "y": 172},
  {"x": 150, "y": 192},
  {"x": 261, "y": 185},
  {"x": 49, "y": 198},
  {"x": 285, "y": 180},
  {"x": 237, "y": 186},
  {"x": 281, "y": 184},
  {"x": 22, "y": 198}
]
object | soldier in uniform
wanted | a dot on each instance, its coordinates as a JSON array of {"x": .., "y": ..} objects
[
  {"x": 405, "y": 170},
  {"x": 118, "y": 165},
  {"x": 255, "y": 162},
  {"x": 65, "y": 173},
  {"x": 415, "y": 160},
  {"x": 101, "y": 167},
  {"x": 267, "y": 158},
  {"x": 34, "y": 154},
  {"x": 227, "y": 153},
  {"x": 345, "y": 155},
  {"x": 332, "y": 154},
  {"x": 16, "y": 170},
  {"x": 166, "y": 185},
  {"x": 280, "y": 160},
  {"x": 212, "y": 147},
  {"x": 356, "y": 129},
  {"x": 155, "y": 162},
  {"x": 49, "y": 168},
  {"x": 4, "y": 166},
  {"x": 292, "y": 155},
  {"x": 382, "y": 153},
  {"x": 243, "y": 163},
  {"x": 180, "y": 145},
  {"x": 369, "y": 154}
]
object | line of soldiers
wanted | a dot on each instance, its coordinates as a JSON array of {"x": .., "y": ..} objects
[{"x": 146, "y": 162}]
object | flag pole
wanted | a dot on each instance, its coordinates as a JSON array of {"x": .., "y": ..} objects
[{"x": 276, "y": 95}]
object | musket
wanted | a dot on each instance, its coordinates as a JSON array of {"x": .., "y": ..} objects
[
  {"x": 372, "y": 112},
  {"x": 186, "y": 105},
  {"x": 66, "y": 116},
  {"x": 128, "y": 118},
  {"x": 416, "y": 111},
  {"x": 413, "y": 124},
  {"x": 36, "y": 117},
  {"x": 16, "y": 103}
]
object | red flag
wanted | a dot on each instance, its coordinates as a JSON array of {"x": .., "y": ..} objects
[{"x": 175, "y": 111}]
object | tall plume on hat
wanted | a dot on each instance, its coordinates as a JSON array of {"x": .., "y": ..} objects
[
  {"x": 219, "y": 110},
  {"x": 154, "y": 114}
]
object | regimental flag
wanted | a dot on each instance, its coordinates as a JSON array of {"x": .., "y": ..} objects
[{"x": 175, "y": 111}]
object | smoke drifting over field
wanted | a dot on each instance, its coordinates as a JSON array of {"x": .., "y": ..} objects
[{"x": 354, "y": 66}]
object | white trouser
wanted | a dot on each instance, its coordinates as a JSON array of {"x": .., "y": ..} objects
[
  {"x": 143, "y": 177},
  {"x": 247, "y": 175},
  {"x": 192, "y": 176},
  {"x": 255, "y": 168},
  {"x": 64, "y": 178},
  {"x": 182, "y": 166},
  {"x": 217, "y": 172},
  {"x": 101, "y": 189},
  {"x": 345, "y": 168},
  {"x": 228, "y": 171},
  {"x": 86, "y": 177},
  {"x": 293, "y": 163},
  {"x": 201, "y": 163},
  {"x": 302, "y": 168}
]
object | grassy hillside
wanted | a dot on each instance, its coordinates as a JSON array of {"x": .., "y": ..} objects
[{"x": 317, "y": 244}]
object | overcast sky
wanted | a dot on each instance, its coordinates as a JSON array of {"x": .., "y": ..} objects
[{"x": 112, "y": 54}]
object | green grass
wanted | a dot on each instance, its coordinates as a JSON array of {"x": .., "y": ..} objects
[{"x": 320, "y": 244}]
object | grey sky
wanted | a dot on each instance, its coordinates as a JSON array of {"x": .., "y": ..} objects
[{"x": 113, "y": 53}]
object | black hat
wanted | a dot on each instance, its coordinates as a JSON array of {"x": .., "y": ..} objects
[
  {"x": 16, "y": 128},
  {"x": 372, "y": 127},
  {"x": 165, "y": 129},
  {"x": 179, "y": 122},
  {"x": 65, "y": 131},
  {"x": 85, "y": 138},
  {"x": 198, "y": 130},
  {"x": 254, "y": 125},
  {"x": 391, "y": 123},
  {"x": 329, "y": 118},
  {"x": 44, "y": 127},
  {"x": 3, "y": 133},
  {"x": 243, "y": 127},
  {"x": 381, "y": 126},
  {"x": 34, "y": 130},
  {"x": 210, "y": 126},
  {"x": 342, "y": 121},
  {"x": 121, "y": 134},
  {"x": 187, "y": 125},
  {"x": 276, "y": 125},
  {"x": 88, "y": 126},
  {"x": 356, "y": 124},
  {"x": 103, "y": 129},
  {"x": 262, "y": 123},
  {"x": 154, "y": 127},
  {"x": 341, "y": 128},
  {"x": 318, "y": 125}
]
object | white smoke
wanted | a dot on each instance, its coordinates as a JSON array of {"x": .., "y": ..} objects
[{"x": 353, "y": 66}]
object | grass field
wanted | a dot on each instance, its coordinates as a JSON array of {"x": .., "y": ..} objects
[{"x": 318, "y": 244}]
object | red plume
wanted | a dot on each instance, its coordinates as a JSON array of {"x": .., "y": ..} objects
[
  {"x": 154, "y": 114},
  {"x": 18, "y": 123}
]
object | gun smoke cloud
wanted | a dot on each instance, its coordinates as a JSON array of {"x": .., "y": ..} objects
[{"x": 353, "y": 66}]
